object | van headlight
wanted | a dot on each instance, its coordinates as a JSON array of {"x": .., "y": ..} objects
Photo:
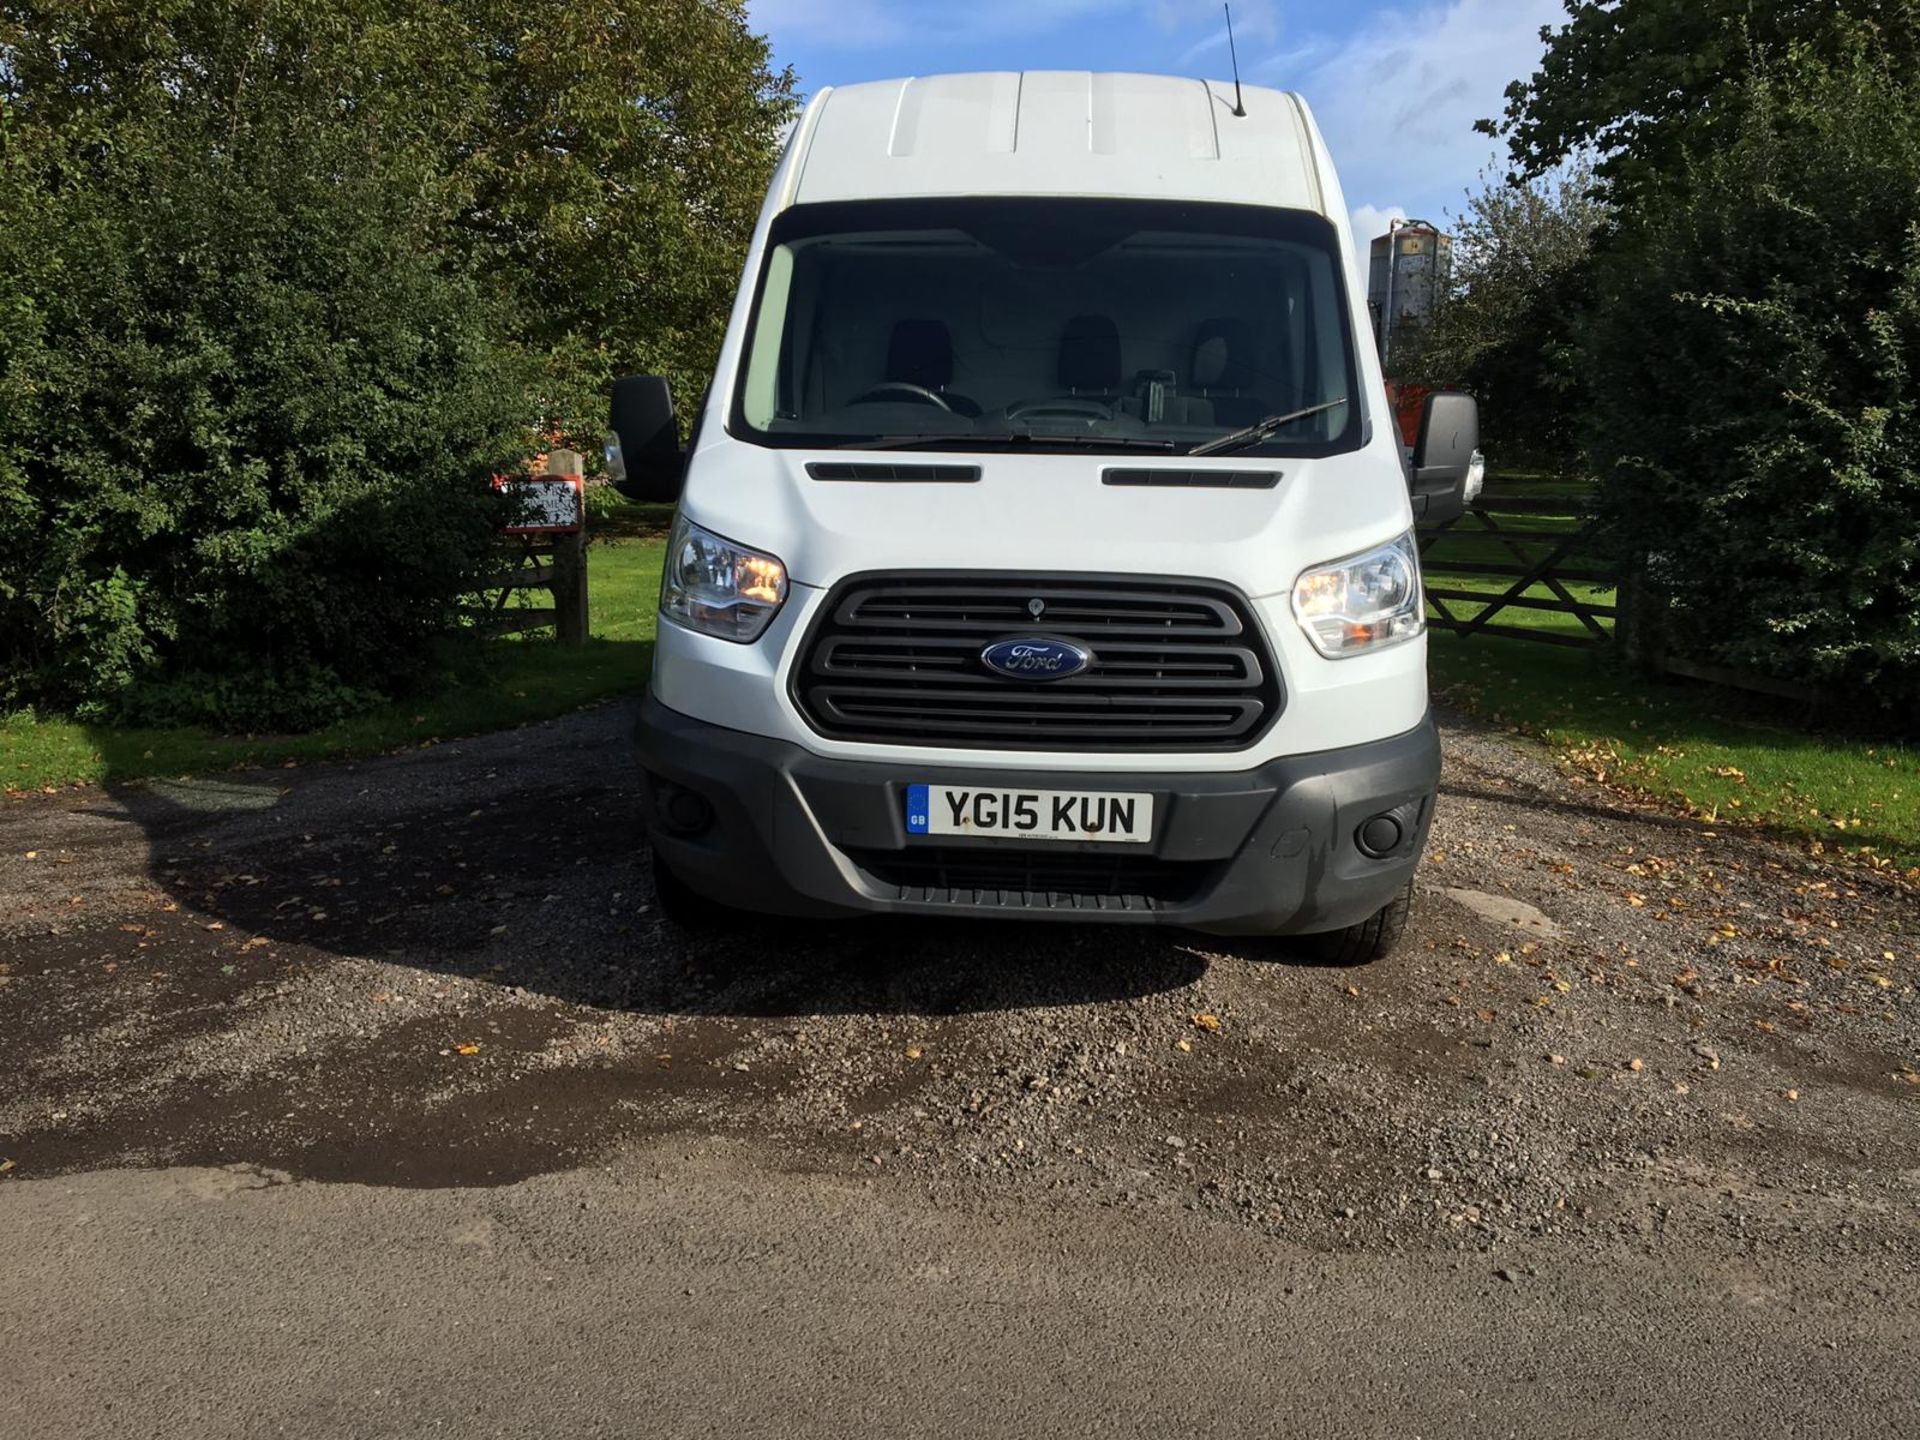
[
  {"x": 1358, "y": 605},
  {"x": 716, "y": 587}
]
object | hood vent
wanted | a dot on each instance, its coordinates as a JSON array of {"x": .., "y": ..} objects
[
  {"x": 1195, "y": 479},
  {"x": 886, "y": 474}
]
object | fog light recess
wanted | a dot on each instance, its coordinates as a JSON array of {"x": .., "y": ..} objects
[
  {"x": 679, "y": 810},
  {"x": 1379, "y": 837}
]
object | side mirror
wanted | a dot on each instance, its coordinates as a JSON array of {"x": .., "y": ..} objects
[
  {"x": 1447, "y": 465},
  {"x": 651, "y": 464}
]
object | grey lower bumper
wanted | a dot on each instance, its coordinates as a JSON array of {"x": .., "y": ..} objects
[{"x": 766, "y": 825}]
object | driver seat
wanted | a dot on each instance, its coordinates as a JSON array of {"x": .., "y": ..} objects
[
  {"x": 1223, "y": 372},
  {"x": 920, "y": 352},
  {"x": 1089, "y": 358}
]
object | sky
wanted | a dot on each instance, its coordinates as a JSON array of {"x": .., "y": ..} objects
[{"x": 1395, "y": 84}]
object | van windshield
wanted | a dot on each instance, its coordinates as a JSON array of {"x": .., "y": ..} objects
[{"x": 975, "y": 323}]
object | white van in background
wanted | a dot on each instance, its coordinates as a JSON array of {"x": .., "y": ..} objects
[{"x": 1045, "y": 542}]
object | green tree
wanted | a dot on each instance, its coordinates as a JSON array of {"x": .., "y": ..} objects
[
  {"x": 1755, "y": 358},
  {"x": 603, "y": 160},
  {"x": 1641, "y": 83},
  {"x": 284, "y": 281},
  {"x": 254, "y": 407},
  {"x": 1522, "y": 257},
  {"x": 615, "y": 154}
]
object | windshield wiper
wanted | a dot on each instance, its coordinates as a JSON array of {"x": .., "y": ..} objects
[{"x": 1260, "y": 429}]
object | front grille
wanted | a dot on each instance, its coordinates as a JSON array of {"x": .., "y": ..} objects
[
  {"x": 1177, "y": 664},
  {"x": 1033, "y": 879}
]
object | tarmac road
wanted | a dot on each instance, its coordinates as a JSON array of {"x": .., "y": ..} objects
[{"x": 374, "y": 1100}]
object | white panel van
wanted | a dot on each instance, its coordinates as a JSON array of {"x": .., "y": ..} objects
[{"x": 1044, "y": 544}]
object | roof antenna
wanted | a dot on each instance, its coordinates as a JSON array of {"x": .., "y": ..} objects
[{"x": 1238, "y": 108}]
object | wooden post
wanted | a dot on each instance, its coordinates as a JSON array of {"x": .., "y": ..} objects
[
  {"x": 569, "y": 562},
  {"x": 1639, "y": 627}
]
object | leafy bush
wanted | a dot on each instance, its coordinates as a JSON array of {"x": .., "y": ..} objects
[
  {"x": 259, "y": 415},
  {"x": 1754, "y": 351},
  {"x": 281, "y": 285},
  {"x": 1522, "y": 266}
]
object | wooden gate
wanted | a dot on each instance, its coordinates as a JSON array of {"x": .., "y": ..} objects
[
  {"x": 554, "y": 563},
  {"x": 1524, "y": 544},
  {"x": 547, "y": 551}
]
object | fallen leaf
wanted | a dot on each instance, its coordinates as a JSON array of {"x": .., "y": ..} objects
[
  {"x": 1183, "y": 1045},
  {"x": 1209, "y": 1023},
  {"x": 467, "y": 1049},
  {"x": 1636, "y": 1064},
  {"x": 913, "y": 1052},
  {"x": 1791, "y": 1096}
]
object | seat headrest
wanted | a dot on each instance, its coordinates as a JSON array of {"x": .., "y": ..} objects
[
  {"x": 1090, "y": 353},
  {"x": 1223, "y": 354},
  {"x": 920, "y": 352}
]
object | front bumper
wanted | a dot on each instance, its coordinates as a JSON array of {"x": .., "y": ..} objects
[{"x": 1272, "y": 850}]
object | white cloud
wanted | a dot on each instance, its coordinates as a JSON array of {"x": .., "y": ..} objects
[
  {"x": 1397, "y": 98},
  {"x": 880, "y": 24},
  {"x": 1370, "y": 221},
  {"x": 1256, "y": 25},
  {"x": 927, "y": 24}
]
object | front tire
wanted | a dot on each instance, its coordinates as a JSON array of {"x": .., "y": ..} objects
[{"x": 1374, "y": 938}]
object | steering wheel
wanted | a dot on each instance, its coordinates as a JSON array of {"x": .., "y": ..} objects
[
  {"x": 903, "y": 390},
  {"x": 1062, "y": 405}
]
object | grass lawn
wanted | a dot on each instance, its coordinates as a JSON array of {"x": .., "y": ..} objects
[
  {"x": 521, "y": 679},
  {"x": 1470, "y": 542},
  {"x": 1723, "y": 756}
]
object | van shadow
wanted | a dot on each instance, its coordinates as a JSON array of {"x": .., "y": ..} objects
[{"x": 518, "y": 860}]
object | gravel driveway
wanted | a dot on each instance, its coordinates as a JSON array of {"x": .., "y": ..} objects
[{"x": 1636, "y": 1111}]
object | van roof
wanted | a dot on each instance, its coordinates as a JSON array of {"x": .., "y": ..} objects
[{"x": 1056, "y": 132}]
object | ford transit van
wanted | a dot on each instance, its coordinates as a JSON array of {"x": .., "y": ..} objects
[{"x": 1045, "y": 542}]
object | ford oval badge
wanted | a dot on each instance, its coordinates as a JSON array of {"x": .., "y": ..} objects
[{"x": 1031, "y": 657}]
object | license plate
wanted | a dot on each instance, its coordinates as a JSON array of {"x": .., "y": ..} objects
[{"x": 1121, "y": 817}]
